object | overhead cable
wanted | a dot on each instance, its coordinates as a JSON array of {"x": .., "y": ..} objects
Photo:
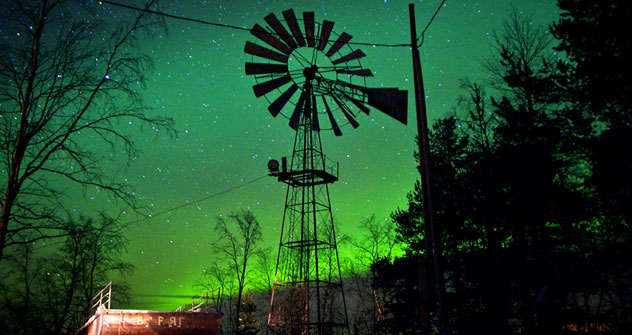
[
  {"x": 422, "y": 36},
  {"x": 223, "y": 25},
  {"x": 153, "y": 215}
]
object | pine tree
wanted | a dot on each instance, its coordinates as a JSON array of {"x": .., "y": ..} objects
[{"x": 248, "y": 323}]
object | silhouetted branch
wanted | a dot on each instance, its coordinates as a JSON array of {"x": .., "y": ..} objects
[{"x": 66, "y": 83}]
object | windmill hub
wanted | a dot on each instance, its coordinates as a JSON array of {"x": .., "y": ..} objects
[
  {"x": 310, "y": 72},
  {"x": 307, "y": 66}
]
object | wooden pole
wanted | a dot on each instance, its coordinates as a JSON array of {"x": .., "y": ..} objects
[{"x": 431, "y": 233}]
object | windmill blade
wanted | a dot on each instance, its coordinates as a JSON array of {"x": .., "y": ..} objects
[
  {"x": 276, "y": 25},
  {"x": 267, "y": 86},
  {"x": 296, "y": 116},
  {"x": 332, "y": 120},
  {"x": 257, "y": 50},
  {"x": 391, "y": 101},
  {"x": 340, "y": 42},
  {"x": 290, "y": 18},
  {"x": 325, "y": 32},
  {"x": 345, "y": 111},
  {"x": 281, "y": 101},
  {"x": 308, "y": 19},
  {"x": 360, "y": 72},
  {"x": 274, "y": 42},
  {"x": 355, "y": 54},
  {"x": 315, "y": 123},
  {"x": 265, "y": 68}
]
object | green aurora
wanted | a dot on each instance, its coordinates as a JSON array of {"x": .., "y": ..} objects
[{"x": 226, "y": 134}]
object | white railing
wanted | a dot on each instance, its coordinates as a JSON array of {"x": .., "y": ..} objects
[
  {"x": 101, "y": 299},
  {"x": 201, "y": 303}
]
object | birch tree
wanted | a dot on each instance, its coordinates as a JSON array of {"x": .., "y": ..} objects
[{"x": 70, "y": 77}]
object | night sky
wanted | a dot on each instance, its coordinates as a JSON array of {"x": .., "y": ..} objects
[{"x": 226, "y": 135}]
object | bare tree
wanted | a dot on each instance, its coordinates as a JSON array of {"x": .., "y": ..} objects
[
  {"x": 263, "y": 282},
  {"x": 18, "y": 290},
  {"x": 265, "y": 271},
  {"x": 377, "y": 240},
  {"x": 69, "y": 81},
  {"x": 219, "y": 278},
  {"x": 55, "y": 288},
  {"x": 479, "y": 121},
  {"x": 238, "y": 236},
  {"x": 527, "y": 44}
]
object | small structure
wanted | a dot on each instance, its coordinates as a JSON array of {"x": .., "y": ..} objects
[
  {"x": 106, "y": 321},
  {"x": 138, "y": 322}
]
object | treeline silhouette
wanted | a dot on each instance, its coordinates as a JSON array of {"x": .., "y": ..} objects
[{"x": 532, "y": 176}]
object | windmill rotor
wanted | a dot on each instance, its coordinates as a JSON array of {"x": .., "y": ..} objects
[{"x": 304, "y": 66}]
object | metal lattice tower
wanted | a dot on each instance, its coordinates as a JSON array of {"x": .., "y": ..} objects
[
  {"x": 299, "y": 63},
  {"x": 308, "y": 296}
]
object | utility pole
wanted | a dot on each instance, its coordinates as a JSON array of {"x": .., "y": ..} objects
[{"x": 431, "y": 234}]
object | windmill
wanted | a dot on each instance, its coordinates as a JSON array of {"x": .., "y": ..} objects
[{"x": 313, "y": 77}]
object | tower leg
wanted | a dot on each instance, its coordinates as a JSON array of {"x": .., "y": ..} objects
[{"x": 307, "y": 295}]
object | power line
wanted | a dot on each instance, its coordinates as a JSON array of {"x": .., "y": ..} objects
[
  {"x": 147, "y": 10},
  {"x": 151, "y": 216},
  {"x": 222, "y": 25},
  {"x": 422, "y": 36}
]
